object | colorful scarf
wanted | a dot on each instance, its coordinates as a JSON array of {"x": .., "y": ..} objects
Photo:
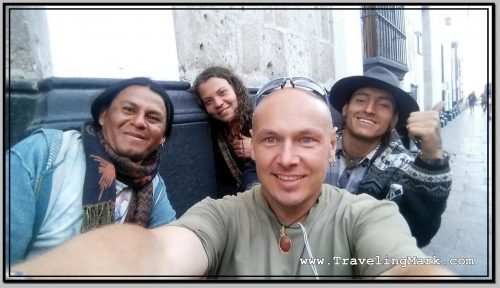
[
  {"x": 104, "y": 166},
  {"x": 227, "y": 153}
]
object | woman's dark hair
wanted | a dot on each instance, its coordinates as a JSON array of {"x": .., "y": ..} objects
[
  {"x": 244, "y": 111},
  {"x": 103, "y": 101}
]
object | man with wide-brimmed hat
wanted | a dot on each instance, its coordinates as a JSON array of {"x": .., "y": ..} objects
[{"x": 372, "y": 159}]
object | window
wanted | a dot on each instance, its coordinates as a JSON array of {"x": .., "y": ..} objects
[
  {"x": 384, "y": 38},
  {"x": 418, "y": 35},
  {"x": 414, "y": 91}
]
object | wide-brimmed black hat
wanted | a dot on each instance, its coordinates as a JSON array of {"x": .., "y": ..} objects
[{"x": 376, "y": 77}]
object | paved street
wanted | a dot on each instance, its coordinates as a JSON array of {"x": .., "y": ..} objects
[{"x": 464, "y": 231}]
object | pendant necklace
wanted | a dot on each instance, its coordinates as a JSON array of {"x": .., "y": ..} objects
[{"x": 284, "y": 241}]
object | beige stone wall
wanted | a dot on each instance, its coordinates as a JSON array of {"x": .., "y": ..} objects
[
  {"x": 257, "y": 44},
  {"x": 27, "y": 44}
]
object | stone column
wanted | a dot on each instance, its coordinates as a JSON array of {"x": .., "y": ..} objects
[{"x": 27, "y": 44}]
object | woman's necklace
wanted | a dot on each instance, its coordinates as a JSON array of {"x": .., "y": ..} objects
[{"x": 284, "y": 241}]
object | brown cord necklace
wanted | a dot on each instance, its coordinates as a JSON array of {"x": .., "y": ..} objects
[{"x": 284, "y": 241}]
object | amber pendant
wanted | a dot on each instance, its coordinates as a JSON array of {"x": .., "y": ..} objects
[{"x": 284, "y": 242}]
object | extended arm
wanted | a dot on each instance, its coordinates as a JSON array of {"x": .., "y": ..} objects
[
  {"x": 124, "y": 250},
  {"x": 416, "y": 270}
]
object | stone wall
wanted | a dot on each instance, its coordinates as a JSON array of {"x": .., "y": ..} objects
[
  {"x": 257, "y": 44},
  {"x": 27, "y": 40}
]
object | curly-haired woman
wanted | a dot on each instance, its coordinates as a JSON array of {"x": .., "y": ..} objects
[{"x": 224, "y": 97}]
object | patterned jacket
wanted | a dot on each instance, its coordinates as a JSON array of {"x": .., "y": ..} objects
[{"x": 419, "y": 189}]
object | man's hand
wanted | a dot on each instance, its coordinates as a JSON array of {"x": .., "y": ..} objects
[
  {"x": 243, "y": 147},
  {"x": 426, "y": 126}
]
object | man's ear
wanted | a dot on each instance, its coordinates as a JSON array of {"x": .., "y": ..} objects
[
  {"x": 102, "y": 114},
  {"x": 344, "y": 110},
  {"x": 333, "y": 145},
  {"x": 251, "y": 144}
]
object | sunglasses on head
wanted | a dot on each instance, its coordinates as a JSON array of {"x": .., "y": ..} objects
[{"x": 296, "y": 82}]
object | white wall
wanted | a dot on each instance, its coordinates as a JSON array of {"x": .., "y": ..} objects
[
  {"x": 113, "y": 43},
  {"x": 414, "y": 76},
  {"x": 348, "y": 43},
  {"x": 474, "y": 50}
]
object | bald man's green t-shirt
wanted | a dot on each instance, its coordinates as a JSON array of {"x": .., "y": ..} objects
[{"x": 348, "y": 236}]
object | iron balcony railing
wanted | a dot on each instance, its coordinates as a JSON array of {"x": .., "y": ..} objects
[{"x": 384, "y": 35}]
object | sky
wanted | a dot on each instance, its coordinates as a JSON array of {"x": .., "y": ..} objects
[
  {"x": 75, "y": 57},
  {"x": 113, "y": 43},
  {"x": 472, "y": 35}
]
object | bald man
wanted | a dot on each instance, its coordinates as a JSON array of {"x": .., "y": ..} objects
[{"x": 292, "y": 225}]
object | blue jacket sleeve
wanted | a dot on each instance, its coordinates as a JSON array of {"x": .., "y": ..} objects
[
  {"x": 162, "y": 211},
  {"x": 26, "y": 164}
]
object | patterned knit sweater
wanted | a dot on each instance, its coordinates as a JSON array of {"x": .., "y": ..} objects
[{"x": 420, "y": 190}]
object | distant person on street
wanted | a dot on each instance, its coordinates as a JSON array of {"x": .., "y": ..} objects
[
  {"x": 471, "y": 99},
  {"x": 484, "y": 101}
]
